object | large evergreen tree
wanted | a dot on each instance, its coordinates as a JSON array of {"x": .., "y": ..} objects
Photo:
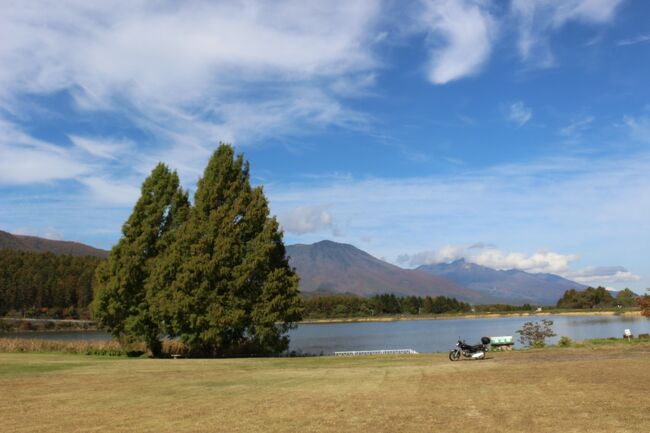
[
  {"x": 224, "y": 285},
  {"x": 121, "y": 304}
]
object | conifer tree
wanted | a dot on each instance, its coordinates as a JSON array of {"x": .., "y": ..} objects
[
  {"x": 121, "y": 304},
  {"x": 224, "y": 285}
]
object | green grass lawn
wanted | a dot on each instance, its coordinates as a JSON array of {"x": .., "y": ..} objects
[{"x": 602, "y": 389}]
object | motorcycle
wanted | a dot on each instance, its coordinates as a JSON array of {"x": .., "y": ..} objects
[{"x": 475, "y": 352}]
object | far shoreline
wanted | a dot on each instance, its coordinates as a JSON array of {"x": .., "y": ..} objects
[
  {"x": 90, "y": 326},
  {"x": 467, "y": 316}
]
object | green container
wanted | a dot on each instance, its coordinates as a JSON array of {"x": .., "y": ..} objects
[{"x": 497, "y": 341}]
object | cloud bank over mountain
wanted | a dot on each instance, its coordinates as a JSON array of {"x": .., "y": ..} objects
[{"x": 537, "y": 262}]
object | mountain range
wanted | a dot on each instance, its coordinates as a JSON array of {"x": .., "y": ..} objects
[
  {"x": 517, "y": 286},
  {"x": 328, "y": 266},
  {"x": 331, "y": 267}
]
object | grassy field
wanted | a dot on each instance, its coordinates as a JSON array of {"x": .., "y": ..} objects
[{"x": 592, "y": 389}]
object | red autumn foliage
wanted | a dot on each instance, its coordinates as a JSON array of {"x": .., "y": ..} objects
[{"x": 644, "y": 303}]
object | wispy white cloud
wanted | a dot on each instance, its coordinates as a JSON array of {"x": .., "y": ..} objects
[
  {"x": 589, "y": 11},
  {"x": 186, "y": 76},
  {"x": 519, "y": 113},
  {"x": 141, "y": 48},
  {"x": 25, "y": 159},
  {"x": 639, "y": 39},
  {"x": 101, "y": 147},
  {"x": 538, "y": 19},
  {"x": 460, "y": 34},
  {"x": 638, "y": 127},
  {"x": 108, "y": 191},
  {"x": 193, "y": 74},
  {"x": 19, "y": 165},
  {"x": 574, "y": 129}
]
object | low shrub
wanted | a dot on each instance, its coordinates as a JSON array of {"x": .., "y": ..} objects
[
  {"x": 25, "y": 325},
  {"x": 55, "y": 313},
  {"x": 5, "y": 326},
  {"x": 565, "y": 341},
  {"x": 534, "y": 334}
]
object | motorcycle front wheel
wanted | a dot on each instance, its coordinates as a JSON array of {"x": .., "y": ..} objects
[{"x": 454, "y": 355}]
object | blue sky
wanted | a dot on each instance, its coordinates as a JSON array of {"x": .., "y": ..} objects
[{"x": 514, "y": 134}]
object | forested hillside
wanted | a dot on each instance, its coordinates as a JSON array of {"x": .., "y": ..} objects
[
  {"x": 9, "y": 241},
  {"x": 32, "y": 281}
]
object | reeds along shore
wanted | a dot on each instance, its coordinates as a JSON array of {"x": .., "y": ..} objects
[{"x": 90, "y": 347}]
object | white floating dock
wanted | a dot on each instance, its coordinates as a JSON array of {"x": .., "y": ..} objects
[{"x": 376, "y": 352}]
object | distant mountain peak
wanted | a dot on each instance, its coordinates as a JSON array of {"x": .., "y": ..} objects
[
  {"x": 344, "y": 268},
  {"x": 327, "y": 242}
]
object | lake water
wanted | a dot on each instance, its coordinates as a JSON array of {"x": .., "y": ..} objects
[
  {"x": 420, "y": 335},
  {"x": 441, "y": 335}
]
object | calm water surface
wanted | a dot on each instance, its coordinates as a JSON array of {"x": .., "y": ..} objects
[
  {"x": 421, "y": 335},
  {"x": 441, "y": 335}
]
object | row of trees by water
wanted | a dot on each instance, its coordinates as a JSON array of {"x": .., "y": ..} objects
[
  {"x": 329, "y": 306},
  {"x": 323, "y": 306},
  {"x": 340, "y": 306},
  {"x": 598, "y": 297}
]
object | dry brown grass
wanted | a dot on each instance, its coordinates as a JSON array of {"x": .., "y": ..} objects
[
  {"x": 550, "y": 390},
  {"x": 89, "y": 347}
]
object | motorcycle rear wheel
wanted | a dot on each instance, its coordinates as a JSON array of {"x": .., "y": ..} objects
[{"x": 454, "y": 355}]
